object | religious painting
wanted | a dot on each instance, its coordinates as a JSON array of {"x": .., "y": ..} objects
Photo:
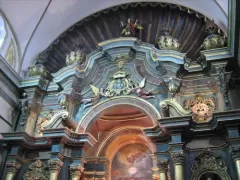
[
  {"x": 10, "y": 54},
  {"x": 132, "y": 162}
]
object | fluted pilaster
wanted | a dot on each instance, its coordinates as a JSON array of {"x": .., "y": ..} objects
[
  {"x": 178, "y": 160},
  {"x": 163, "y": 169},
  {"x": 11, "y": 169},
  {"x": 235, "y": 151},
  {"x": 76, "y": 172},
  {"x": 54, "y": 167}
]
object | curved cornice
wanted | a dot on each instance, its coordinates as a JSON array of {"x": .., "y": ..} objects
[{"x": 169, "y": 59}]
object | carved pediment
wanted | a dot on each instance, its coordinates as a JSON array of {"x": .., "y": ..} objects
[{"x": 208, "y": 161}]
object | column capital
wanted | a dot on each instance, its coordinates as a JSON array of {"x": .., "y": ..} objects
[
  {"x": 76, "y": 171},
  {"x": 235, "y": 151},
  {"x": 12, "y": 166},
  {"x": 162, "y": 165},
  {"x": 178, "y": 157},
  {"x": 55, "y": 165}
]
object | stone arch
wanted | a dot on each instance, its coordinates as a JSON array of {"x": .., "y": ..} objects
[{"x": 92, "y": 115}]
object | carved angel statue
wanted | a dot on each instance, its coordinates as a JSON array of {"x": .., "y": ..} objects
[
  {"x": 130, "y": 27},
  {"x": 141, "y": 92},
  {"x": 98, "y": 94}
]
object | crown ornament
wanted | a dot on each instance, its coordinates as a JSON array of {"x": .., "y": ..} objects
[
  {"x": 77, "y": 55},
  {"x": 167, "y": 42},
  {"x": 214, "y": 37}
]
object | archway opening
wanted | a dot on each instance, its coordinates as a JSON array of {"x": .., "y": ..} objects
[
  {"x": 210, "y": 176},
  {"x": 119, "y": 135}
]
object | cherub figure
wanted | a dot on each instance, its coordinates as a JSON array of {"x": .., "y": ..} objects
[
  {"x": 43, "y": 120},
  {"x": 130, "y": 27},
  {"x": 141, "y": 92},
  {"x": 98, "y": 94}
]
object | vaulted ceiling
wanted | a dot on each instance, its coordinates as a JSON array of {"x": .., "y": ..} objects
[{"x": 37, "y": 24}]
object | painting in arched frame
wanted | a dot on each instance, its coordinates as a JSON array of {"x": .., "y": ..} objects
[{"x": 132, "y": 162}]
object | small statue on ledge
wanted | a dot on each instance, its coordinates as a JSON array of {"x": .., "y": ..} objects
[
  {"x": 141, "y": 92},
  {"x": 129, "y": 29},
  {"x": 98, "y": 94}
]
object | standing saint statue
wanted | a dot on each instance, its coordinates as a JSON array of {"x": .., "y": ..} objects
[{"x": 129, "y": 29}]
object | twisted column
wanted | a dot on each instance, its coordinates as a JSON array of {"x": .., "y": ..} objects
[
  {"x": 236, "y": 158},
  {"x": 11, "y": 169},
  {"x": 178, "y": 160},
  {"x": 76, "y": 172},
  {"x": 163, "y": 169},
  {"x": 54, "y": 167}
]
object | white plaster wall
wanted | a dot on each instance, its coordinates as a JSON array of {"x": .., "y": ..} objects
[{"x": 24, "y": 16}]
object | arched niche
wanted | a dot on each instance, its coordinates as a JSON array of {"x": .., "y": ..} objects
[
  {"x": 209, "y": 164},
  {"x": 95, "y": 112}
]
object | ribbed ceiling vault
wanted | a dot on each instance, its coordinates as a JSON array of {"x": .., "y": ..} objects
[{"x": 186, "y": 25}]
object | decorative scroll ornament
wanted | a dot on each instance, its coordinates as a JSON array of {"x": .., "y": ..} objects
[
  {"x": 130, "y": 28},
  {"x": 208, "y": 161},
  {"x": 37, "y": 171},
  {"x": 201, "y": 107},
  {"x": 38, "y": 70},
  {"x": 43, "y": 120},
  {"x": 77, "y": 55},
  {"x": 167, "y": 42},
  {"x": 214, "y": 39}
]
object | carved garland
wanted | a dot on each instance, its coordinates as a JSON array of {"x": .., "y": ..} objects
[
  {"x": 201, "y": 107},
  {"x": 37, "y": 170},
  {"x": 208, "y": 161}
]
